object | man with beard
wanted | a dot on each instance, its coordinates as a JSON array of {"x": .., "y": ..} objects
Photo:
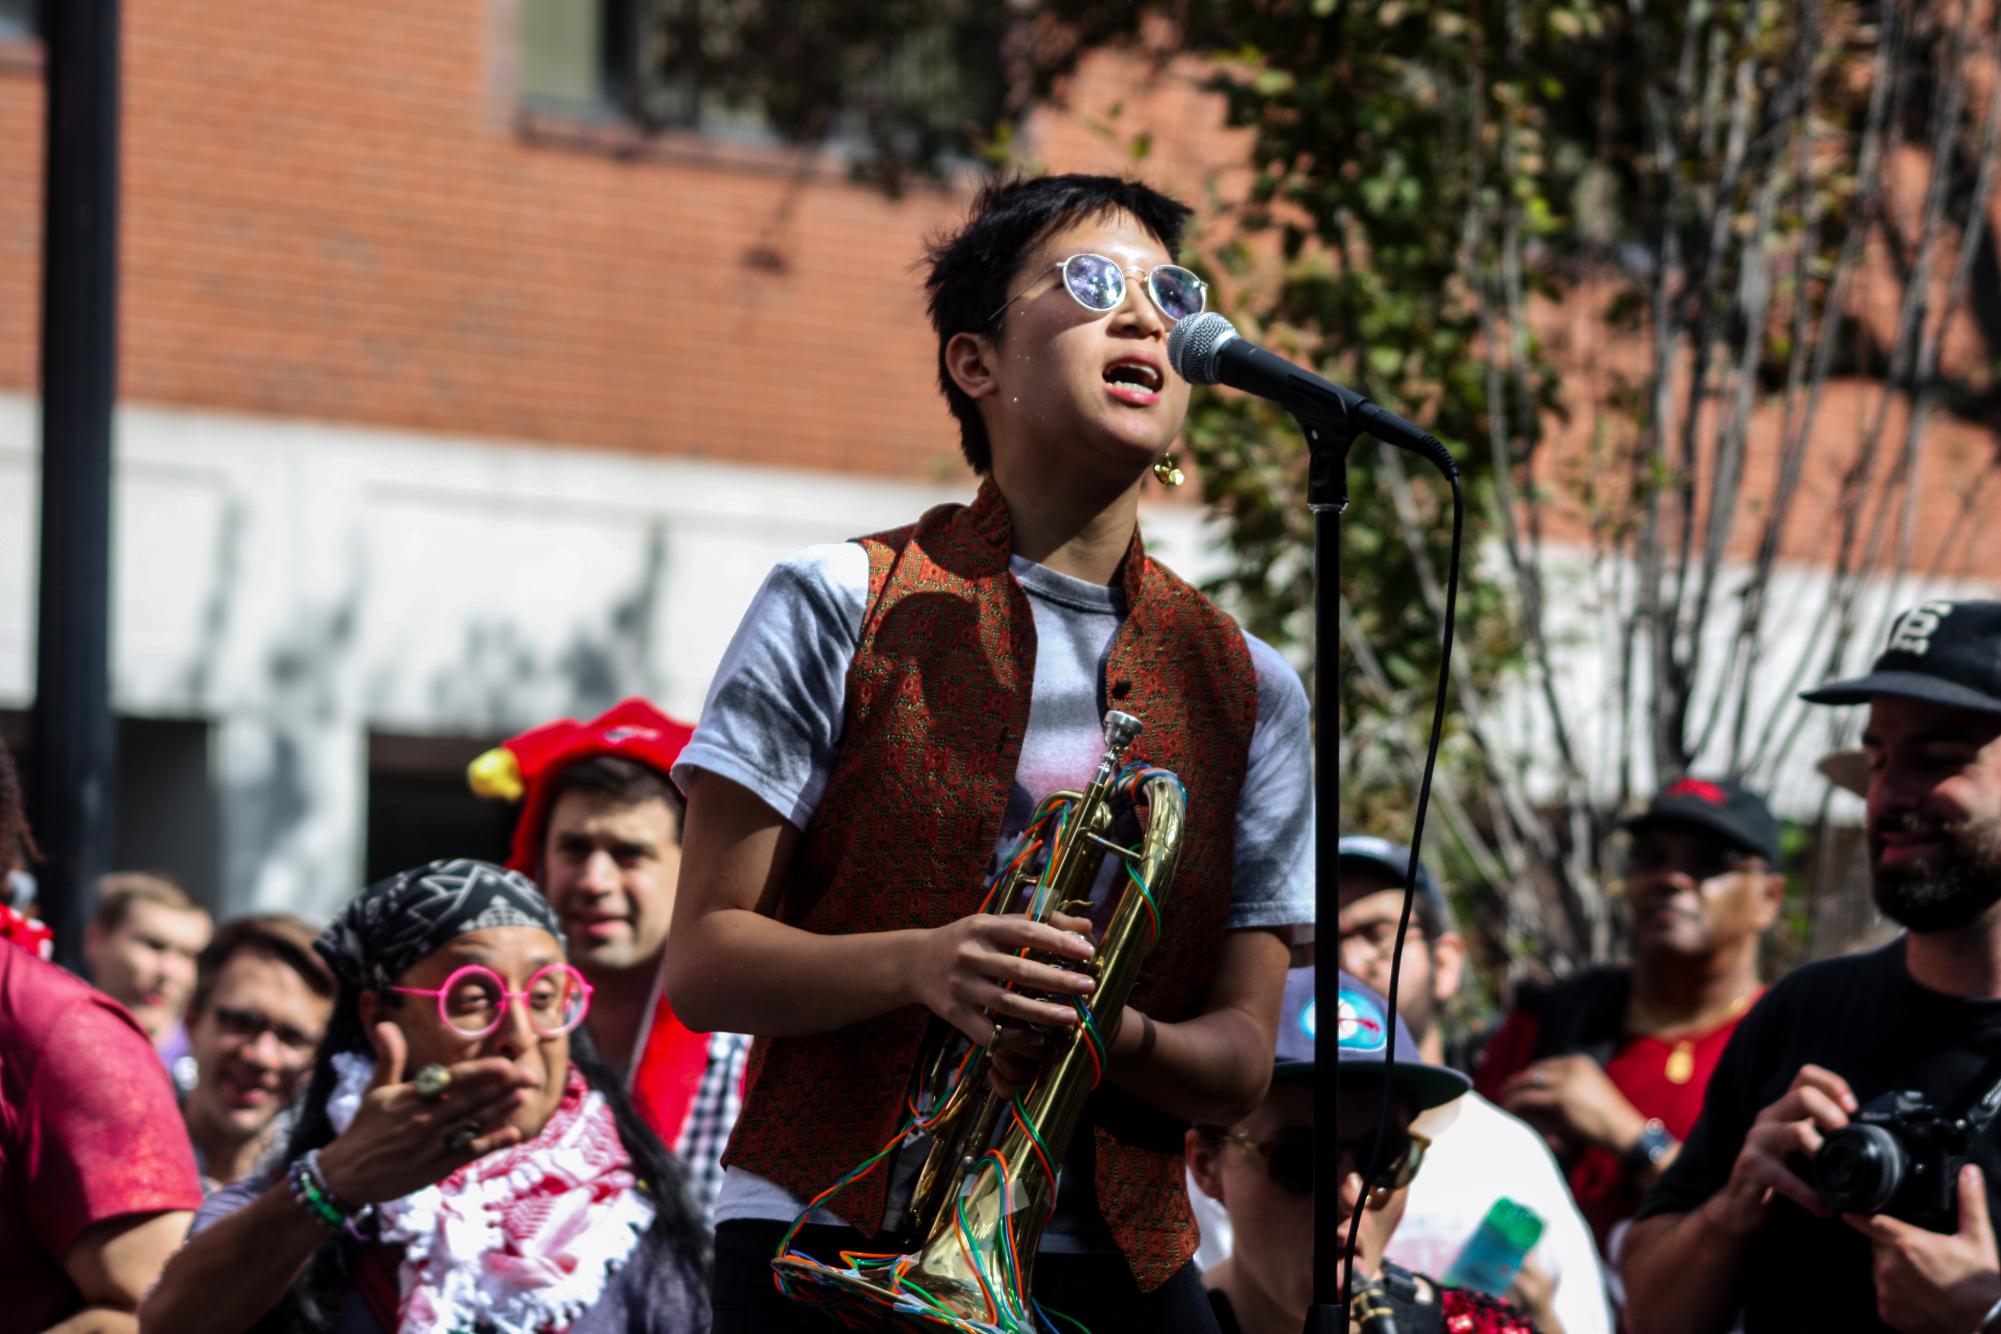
[
  {"x": 1610, "y": 1064},
  {"x": 1737, "y": 1223}
]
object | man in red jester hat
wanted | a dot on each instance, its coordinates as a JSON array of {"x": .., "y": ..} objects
[{"x": 600, "y": 831}]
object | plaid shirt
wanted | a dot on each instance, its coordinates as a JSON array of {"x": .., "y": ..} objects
[{"x": 712, "y": 1116}]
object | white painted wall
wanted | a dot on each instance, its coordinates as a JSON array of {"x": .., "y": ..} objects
[
  {"x": 299, "y": 584},
  {"x": 1588, "y": 601}
]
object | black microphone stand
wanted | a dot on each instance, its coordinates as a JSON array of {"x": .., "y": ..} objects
[{"x": 1328, "y": 440}]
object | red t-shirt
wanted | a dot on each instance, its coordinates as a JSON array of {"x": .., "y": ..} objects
[
  {"x": 1662, "y": 1077},
  {"x": 88, "y": 1130}
]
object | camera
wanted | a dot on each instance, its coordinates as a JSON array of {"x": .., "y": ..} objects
[{"x": 1899, "y": 1156}]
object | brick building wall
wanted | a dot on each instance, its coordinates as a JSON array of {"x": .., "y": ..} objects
[
  {"x": 336, "y": 212},
  {"x": 341, "y": 213}
]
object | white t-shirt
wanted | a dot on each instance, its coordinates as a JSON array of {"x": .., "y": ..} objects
[
  {"x": 1486, "y": 1154},
  {"x": 773, "y": 723},
  {"x": 1481, "y": 1155}
]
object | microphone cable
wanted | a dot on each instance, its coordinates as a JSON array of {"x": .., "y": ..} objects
[{"x": 1372, "y": 1166}]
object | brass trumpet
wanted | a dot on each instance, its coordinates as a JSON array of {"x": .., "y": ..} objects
[{"x": 988, "y": 1184}]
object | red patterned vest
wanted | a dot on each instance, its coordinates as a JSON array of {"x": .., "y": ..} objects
[{"x": 937, "y": 704}]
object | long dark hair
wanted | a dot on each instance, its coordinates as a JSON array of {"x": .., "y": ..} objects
[{"x": 674, "y": 1255}]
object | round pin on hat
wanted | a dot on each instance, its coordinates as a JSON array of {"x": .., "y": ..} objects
[{"x": 1362, "y": 1029}]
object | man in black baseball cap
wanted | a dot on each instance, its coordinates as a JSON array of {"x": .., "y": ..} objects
[
  {"x": 1943, "y": 653},
  {"x": 1739, "y": 1221},
  {"x": 1611, "y": 1063},
  {"x": 1434, "y": 956},
  {"x": 1487, "y": 1154}
]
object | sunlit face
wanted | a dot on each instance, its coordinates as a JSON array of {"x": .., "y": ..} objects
[
  {"x": 147, "y": 962},
  {"x": 610, "y": 869},
  {"x": 254, "y": 1042},
  {"x": 516, "y": 953},
  {"x": 1934, "y": 811},
  {"x": 1056, "y": 398},
  {"x": 1691, "y": 892},
  {"x": 1371, "y": 904}
]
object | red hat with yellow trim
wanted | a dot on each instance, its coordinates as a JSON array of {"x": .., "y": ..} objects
[{"x": 522, "y": 768}]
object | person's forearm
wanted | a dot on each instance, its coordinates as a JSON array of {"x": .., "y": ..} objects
[
  {"x": 739, "y": 971},
  {"x": 1213, "y": 1068},
  {"x": 1681, "y": 1272},
  {"x": 232, "y": 1274},
  {"x": 97, "y": 1320}
]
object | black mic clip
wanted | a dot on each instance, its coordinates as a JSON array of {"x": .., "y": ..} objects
[{"x": 1329, "y": 437}]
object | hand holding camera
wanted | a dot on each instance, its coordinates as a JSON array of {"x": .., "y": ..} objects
[
  {"x": 1785, "y": 1134},
  {"x": 1932, "y": 1283},
  {"x": 1897, "y": 1172}
]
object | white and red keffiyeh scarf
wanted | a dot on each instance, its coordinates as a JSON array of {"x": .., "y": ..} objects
[{"x": 522, "y": 1239}]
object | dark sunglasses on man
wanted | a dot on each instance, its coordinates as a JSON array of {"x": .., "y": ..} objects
[{"x": 1288, "y": 1159}]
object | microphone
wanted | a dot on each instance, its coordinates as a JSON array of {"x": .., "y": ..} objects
[{"x": 1207, "y": 349}]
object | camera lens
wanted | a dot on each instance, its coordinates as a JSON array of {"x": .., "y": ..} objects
[{"x": 1858, "y": 1169}]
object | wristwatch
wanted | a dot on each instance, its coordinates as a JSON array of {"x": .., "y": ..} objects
[{"x": 1646, "y": 1152}]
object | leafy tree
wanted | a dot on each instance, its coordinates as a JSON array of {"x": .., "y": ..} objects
[{"x": 1440, "y": 194}]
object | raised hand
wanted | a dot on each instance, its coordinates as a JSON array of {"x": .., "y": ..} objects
[
  {"x": 1818, "y": 1101},
  {"x": 400, "y": 1141}
]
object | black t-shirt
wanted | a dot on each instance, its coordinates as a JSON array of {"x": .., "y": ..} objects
[
  {"x": 1226, "y": 1314},
  {"x": 1865, "y": 1019}
]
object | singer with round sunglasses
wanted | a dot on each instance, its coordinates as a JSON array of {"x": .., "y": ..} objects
[
  {"x": 461, "y": 1159},
  {"x": 885, "y": 723},
  {"x": 1261, "y": 1171}
]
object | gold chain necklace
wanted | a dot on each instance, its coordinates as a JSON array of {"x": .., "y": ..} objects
[{"x": 1681, "y": 1056}]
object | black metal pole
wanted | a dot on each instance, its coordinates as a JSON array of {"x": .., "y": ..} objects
[
  {"x": 73, "y": 738},
  {"x": 1326, "y": 496}
]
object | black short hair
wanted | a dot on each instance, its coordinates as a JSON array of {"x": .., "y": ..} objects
[
  {"x": 971, "y": 267},
  {"x": 618, "y": 779}
]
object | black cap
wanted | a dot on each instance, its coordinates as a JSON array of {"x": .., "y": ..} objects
[
  {"x": 1435, "y": 912},
  {"x": 1946, "y": 653},
  {"x": 1720, "y": 805}
]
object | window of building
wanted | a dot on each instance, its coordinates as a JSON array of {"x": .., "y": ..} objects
[
  {"x": 166, "y": 806},
  {"x": 420, "y": 809},
  {"x": 567, "y": 55},
  {"x": 905, "y": 82}
]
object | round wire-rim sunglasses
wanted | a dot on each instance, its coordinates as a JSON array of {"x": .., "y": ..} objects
[{"x": 1098, "y": 284}]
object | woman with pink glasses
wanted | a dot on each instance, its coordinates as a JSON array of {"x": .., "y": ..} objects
[{"x": 461, "y": 1160}]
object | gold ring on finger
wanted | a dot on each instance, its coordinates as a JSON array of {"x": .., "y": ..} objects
[
  {"x": 432, "y": 1081},
  {"x": 461, "y": 1137}
]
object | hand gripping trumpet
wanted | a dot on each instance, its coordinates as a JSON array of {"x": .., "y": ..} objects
[{"x": 988, "y": 1183}]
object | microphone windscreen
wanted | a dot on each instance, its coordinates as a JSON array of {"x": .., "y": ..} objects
[{"x": 1194, "y": 343}]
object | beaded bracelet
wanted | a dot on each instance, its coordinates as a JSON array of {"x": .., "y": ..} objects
[
  {"x": 310, "y": 1189},
  {"x": 315, "y": 1201}
]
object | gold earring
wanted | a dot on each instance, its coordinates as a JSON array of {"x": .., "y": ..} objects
[{"x": 1167, "y": 472}]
